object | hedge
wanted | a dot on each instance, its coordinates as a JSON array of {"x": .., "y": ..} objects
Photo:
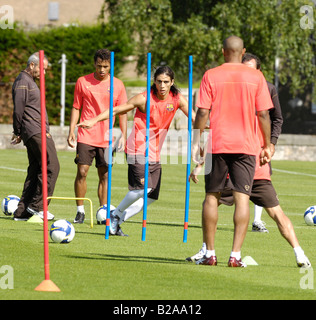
[{"x": 78, "y": 43}]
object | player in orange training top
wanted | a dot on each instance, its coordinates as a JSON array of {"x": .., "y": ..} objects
[
  {"x": 230, "y": 96},
  {"x": 92, "y": 97},
  {"x": 165, "y": 99}
]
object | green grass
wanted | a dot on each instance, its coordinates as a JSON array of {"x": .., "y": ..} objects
[{"x": 126, "y": 268}]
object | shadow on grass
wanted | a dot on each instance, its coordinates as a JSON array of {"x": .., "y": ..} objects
[
  {"x": 163, "y": 224},
  {"x": 127, "y": 258}
]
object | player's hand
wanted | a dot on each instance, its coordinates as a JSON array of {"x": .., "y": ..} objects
[
  {"x": 195, "y": 172},
  {"x": 197, "y": 154},
  {"x": 86, "y": 124},
  {"x": 15, "y": 139},
  {"x": 121, "y": 144},
  {"x": 265, "y": 156},
  {"x": 71, "y": 140}
]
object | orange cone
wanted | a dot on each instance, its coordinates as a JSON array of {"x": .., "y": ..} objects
[{"x": 47, "y": 285}]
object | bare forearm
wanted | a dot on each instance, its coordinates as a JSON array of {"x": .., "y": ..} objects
[{"x": 265, "y": 127}]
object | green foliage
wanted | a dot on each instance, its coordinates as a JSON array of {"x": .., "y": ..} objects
[
  {"x": 172, "y": 30},
  {"x": 78, "y": 43},
  {"x": 271, "y": 29}
]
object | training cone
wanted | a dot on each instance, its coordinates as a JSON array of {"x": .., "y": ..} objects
[
  {"x": 47, "y": 285},
  {"x": 249, "y": 261},
  {"x": 35, "y": 219}
]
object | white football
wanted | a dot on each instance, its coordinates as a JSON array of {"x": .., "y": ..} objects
[
  {"x": 102, "y": 213},
  {"x": 310, "y": 216},
  {"x": 62, "y": 231},
  {"x": 9, "y": 204}
]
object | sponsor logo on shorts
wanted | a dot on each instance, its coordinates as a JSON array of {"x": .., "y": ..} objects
[{"x": 247, "y": 188}]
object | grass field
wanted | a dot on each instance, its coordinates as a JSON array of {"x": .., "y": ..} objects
[{"x": 126, "y": 268}]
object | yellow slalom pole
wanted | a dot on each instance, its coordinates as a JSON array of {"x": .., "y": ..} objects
[{"x": 75, "y": 198}]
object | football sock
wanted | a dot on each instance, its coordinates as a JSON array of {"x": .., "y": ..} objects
[
  {"x": 204, "y": 247},
  {"x": 298, "y": 251},
  {"x": 129, "y": 199},
  {"x": 258, "y": 213},
  {"x": 80, "y": 208},
  {"x": 236, "y": 255},
  {"x": 209, "y": 253},
  {"x": 133, "y": 209}
]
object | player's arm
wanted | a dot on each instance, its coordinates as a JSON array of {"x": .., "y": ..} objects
[
  {"x": 123, "y": 127},
  {"x": 184, "y": 107},
  {"x": 265, "y": 127},
  {"x": 276, "y": 119},
  {"x": 199, "y": 126},
  {"x": 74, "y": 117},
  {"x": 137, "y": 101}
]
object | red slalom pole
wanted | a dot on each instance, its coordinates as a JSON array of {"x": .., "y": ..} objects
[{"x": 47, "y": 284}]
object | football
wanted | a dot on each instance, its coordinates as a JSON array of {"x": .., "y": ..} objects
[
  {"x": 102, "y": 213},
  {"x": 310, "y": 216},
  {"x": 10, "y": 204},
  {"x": 62, "y": 231}
]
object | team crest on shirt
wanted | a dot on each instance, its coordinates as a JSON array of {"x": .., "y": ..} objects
[
  {"x": 109, "y": 89},
  {"x": 142, "y": 180},
  {"x": 170, "y": 107}
]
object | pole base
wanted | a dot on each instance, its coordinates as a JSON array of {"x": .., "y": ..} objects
[{"x": 47, "y": 285}]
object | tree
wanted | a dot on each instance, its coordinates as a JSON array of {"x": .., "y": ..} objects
[{"x": 172, "y": 30}]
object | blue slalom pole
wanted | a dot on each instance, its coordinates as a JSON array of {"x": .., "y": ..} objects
[
  {"x": 108, "y": 214},
  {"x": 187, "y": 189},
  {"x": 147, "y": 146}
]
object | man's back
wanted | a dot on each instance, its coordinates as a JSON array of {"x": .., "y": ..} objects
[{"x": 234, "y": 93}]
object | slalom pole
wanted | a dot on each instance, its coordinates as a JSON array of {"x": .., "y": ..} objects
[
  {"x": 147, "y": 146},
  {"x": 47, "y": 284},
  {"x": 108, "y": 214},
  {"x": 187, "y": 189}
]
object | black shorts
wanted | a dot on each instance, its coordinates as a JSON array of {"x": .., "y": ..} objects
[
  {"x": 86, "y": 153},
  {"x": 263, "y": 194},
  {"x": 240, "y": 167},
  {"x": 136, "y": 176}
]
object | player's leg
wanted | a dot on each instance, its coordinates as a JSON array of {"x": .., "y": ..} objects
[
  {"x": 215, "y": 178},
  {"x": 286, "y": 229},
  {"x": 80, "y": 186},
  {"x": 84, "y": 157},
  {"x": 103, "y": 184},
  {"x": 258, "y": 225},
  {"x": 241, "y": 171},
  {"x": 210, "y": 219},
  {"x": 241, "y": 220},
  {"x": 134, "y": 208}
]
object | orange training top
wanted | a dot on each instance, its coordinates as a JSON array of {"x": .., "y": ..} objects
[
  {"x": 161, "y": 115},
  {"x": 233, "y": 92},
  {"x": 93, "y": 97}
]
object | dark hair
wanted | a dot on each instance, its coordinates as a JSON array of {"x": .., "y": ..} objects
[
  {"x": 169, "y": 72},
  {"x": 249, "y": 56},
  {"x": 103, "y": 54}
]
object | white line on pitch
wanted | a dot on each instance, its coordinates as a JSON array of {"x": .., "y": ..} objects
[
  {"x": 296, "y": 173},
  {"x": 13, "y": 169}
]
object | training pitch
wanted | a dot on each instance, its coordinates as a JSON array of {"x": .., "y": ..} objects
[{"x": 127, "y": 268}]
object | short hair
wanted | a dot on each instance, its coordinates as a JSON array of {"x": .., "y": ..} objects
[
  {"x": 34, "y": 58},
  {"x": 169, "y": 72},
  {"x": 249, "y": 56},
  {"x": 103, "y": 54}
]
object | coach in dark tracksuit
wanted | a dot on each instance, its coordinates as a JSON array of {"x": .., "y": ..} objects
[{"x": 27, "y": 127}]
